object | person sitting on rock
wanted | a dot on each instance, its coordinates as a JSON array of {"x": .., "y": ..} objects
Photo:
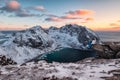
[{"x": 91, "y": 43}]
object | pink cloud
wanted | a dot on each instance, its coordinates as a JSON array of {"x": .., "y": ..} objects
[
  {"x": 77, "y": 14},
  {"x": 39, "y": 8},
  {"x": 13, "y": 5},
  {"x": 55, "y": 19}
]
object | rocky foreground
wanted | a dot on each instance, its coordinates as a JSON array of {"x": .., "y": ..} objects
[
  {"x": 92, "y": 69},
  {"x": 108, "y": 50}
]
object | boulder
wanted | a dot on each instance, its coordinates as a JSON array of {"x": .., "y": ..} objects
[
  {"x": 6, "y": 61},
  {"x": 115, "y": 48},
  {"x": 98, "y": 47},
  {"x": 104, "y": 51}
]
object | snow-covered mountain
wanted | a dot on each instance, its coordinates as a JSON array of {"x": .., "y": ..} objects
[
  {"x": 73, "y": 36},
  {"x": 27, "y": 44}
]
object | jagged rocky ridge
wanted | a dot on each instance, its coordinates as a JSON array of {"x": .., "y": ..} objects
[
  {"x": 73, "y": 36},
  {"x": 26, "y": 44}
]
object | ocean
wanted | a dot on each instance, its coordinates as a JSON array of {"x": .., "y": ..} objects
[{"x": 109, "y": 36}]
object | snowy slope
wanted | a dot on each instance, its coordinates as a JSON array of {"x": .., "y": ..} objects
[
  {"x": 27, "y": 44},
  {"x": 73, "y": 36}
]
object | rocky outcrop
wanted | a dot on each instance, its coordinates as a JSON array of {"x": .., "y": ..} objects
[
  {"x": 87, "y": 35},
  {"x": 6, "y": 61},
  {"x": 107, "y": 50},
  {"x": 88, "y": 69}
]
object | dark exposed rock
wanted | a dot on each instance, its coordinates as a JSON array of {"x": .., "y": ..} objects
[
  {"x": 118, "y": 55},
  {"x": 55, "y": 78},
  {"x": 108, "y": 50},
  {"x": 116, "y": 75},
  {"x": 6, "y": 61},
  {"x": 85, "y": 36},
  {"x": 34, "y": 43}
]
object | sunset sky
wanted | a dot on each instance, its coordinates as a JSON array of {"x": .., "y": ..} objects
[{"x": 95, "y": 14}]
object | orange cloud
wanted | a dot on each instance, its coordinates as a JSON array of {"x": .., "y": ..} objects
[
  {"x": 89, "y": 19},
  {"x": 68, "y": 16},
  {"x": 77, "y": 14},
  {"x": 81, "y": 12},
  {"x": 114, "y": 24},
  {"x": 118, "y": 20}
]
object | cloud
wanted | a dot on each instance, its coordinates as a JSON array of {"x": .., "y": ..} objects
[
  {"x": 116, "y": 27},
  {"x": 36, "y": 8},
  {"x": 23, "y": 13},
  {"x": 15, "y": 8},
  {"x": 39, "y": 8},
  {"x": 81, "y": 12},
  {"x": 118, "y": 21},
  {"x": 115, "y": 24},
  {"x": 54, "y": 19},
  {"x": 77, "y": 14},
  {"x": 89, "y": 19},
  {"x": 69, "y": 17},
  {"x": 11, "y": 6},
  {"x": 60, "y": 18}
]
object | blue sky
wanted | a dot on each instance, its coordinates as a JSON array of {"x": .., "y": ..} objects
[{"x": 95, "y": 14}]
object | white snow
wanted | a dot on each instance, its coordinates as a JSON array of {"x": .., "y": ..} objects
[
  {"x": 87, "y": 70},
  {"x": 65, "y": 40},
  {"x": 21, "y": 54}
]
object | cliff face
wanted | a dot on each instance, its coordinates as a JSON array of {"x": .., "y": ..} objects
[{"x": 73, "y": 36}]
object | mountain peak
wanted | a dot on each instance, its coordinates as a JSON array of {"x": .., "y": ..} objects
[{"x": 36, "y": 27}]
